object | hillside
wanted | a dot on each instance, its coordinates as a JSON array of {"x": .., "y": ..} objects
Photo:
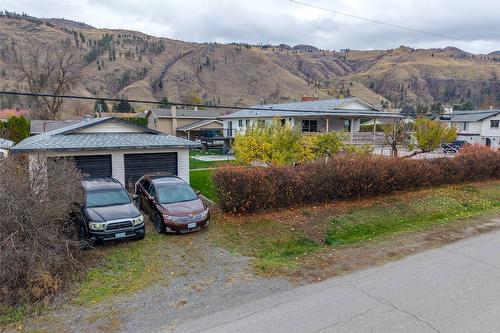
[{"x": 135, "y": 65}]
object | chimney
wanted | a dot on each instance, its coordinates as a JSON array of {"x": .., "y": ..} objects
[
  {"x": 86, "y": 118},
  {"x": 491, "y": 107},
  {"x": 174, "y": 120},
  {"x": 448, "y": 109},
  {"x": 195, "y": 108}
]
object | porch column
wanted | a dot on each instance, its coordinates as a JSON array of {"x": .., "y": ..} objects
[
  {"x": 374, "y": 124},
  {"x": 327, "y": 125}
]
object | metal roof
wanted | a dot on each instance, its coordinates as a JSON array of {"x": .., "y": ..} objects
[
  {"x": 472, "y": 115},
  {"x": 332, "y": 107},
  {"x": 68, "y": 138}
]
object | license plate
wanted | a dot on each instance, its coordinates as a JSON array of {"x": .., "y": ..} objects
[
  {"x": 120, "y": 235},
  {"x": 191, "y": 225}
]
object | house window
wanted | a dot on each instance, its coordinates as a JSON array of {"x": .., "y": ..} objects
[
  {"x": 309, "y": 125},
  {"x": 464, "y": 126},
  {"x": 230, "y": 128},
  {"x": 494, "y": 123},
  {"x": 240, "y": 123},
  {"x": 155, "y": 121},
  {"x": 347, "y": 125},
  {"x": 247, "y": 123},
  {"x": 283, "y": 122}
]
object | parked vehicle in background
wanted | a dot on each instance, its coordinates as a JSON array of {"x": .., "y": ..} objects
[
  {"x": 109, "y": 213},
  {"x": 454, "y": 147},
  {"x": 171, "y": 204}
]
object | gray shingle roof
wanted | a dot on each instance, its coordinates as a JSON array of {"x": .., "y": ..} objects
[
  {"x": 68, "y": 138},
  {"x": 472, "y": 115},
  {"x": 160, "y": 112},
  {"x": 6, "y": 144},
  {"x": 310, "y": 108},
  {"x": 37, "y": 126}
]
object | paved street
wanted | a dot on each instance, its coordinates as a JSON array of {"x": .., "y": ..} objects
[{"x": 452, "y": 289}]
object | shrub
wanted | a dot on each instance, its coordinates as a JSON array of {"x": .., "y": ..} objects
[
  {"x": 38, "y": 241},
  {"x": 244, "y": 189}
]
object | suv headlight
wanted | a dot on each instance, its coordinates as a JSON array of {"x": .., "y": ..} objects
[
  {"x": 97, "y": 226},
  {"x": 138, "y": 220},
  {"x": 204, "y": 213}
]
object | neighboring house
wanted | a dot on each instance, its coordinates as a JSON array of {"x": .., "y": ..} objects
[
  {"x": 5, "y": 146},
  {"x": 5, "y": 114},
  {"x": 42, "y": 126},
  {"x": 476, "y": 126},
  {"x": 189, "y": 124},
  {"x": 105, "y": 147},
  {"x": 311, "y": 116}
]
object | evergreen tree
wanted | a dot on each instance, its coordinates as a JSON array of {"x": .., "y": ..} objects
[
  {"x": 123, "y": 107},
  {"x": 102, "y": 103},
  {"x": 164, "y": 103},
  {"x": 18, "y": 128}
]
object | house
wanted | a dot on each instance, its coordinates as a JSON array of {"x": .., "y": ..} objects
[
  {"x": 476, "y": 126},
  {"x": 189, "y": 124},
  {"x": 312, "y": 116},
  {"x": 105, "y": 147},
  {"x": 5, "y": 146},
  {"x": 42, "y": 126}
]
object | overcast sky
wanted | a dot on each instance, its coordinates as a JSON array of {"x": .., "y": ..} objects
[{"x": 475, "y": 23}]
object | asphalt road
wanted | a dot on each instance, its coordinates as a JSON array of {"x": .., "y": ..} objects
[{"x": 455, "y": 288}]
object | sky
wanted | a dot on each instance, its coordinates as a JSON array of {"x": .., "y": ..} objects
[{"x": 473, "y": 26}]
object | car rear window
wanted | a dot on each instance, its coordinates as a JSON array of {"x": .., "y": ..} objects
[
  {"x": 173, "y": 193},
  {"x": 103, "y": 198}
]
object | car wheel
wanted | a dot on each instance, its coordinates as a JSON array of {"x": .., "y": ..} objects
[
  {"x": 159, "y": 225},
  {"x": 84, "y": 239}
]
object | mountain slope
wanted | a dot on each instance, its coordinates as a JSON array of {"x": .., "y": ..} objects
[{"x": 135, "y": 65}]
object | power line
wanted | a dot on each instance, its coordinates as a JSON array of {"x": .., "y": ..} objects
[
  {"x": 383, "y": 22},
  {"x": 29, "y": 94}
]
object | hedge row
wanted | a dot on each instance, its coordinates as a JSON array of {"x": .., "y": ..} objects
[{"x": 245, "y": 189}]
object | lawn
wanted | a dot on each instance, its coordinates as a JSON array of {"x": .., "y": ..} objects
[
  {"x": 201, "y": 180},
  {"x": 198, "y": 164}
]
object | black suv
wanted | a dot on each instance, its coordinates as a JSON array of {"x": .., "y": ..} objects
[{"x": 109, "y": 213}]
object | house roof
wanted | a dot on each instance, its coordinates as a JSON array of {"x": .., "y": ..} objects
[
  {"x": 41, "y": 126},
  {"x": 6, "y": 144},
  {"x": 71, "y": 138},
  {"x": 184, "y": 113},
  {"x": 197, "y": 124},
  {"x": 311, "y": 108},
  {"x": 470, "y": 115}
]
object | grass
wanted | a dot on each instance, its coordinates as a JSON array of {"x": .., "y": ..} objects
[
  {"x": 438, "y": 207},
  {"x": 198, "y": 164},
  {"x": 275, "y": 247},
  {"x": 201, "y": 180},
  {"x": 128, "y": 267},
  {"x": 16, "y": 314}
]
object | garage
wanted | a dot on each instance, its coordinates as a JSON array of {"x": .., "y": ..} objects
[
  {"x": 94, "y": 165},
  {"x": 136, "y": 165}
]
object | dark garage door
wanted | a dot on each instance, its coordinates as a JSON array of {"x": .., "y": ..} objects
[
  {"x": 94, "y": 165},
  {"x": 136, "y": 165}
]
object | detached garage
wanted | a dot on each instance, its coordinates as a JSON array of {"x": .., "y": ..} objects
[{"x": 110, "y": 147}]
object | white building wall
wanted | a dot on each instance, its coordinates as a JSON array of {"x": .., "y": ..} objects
[{"x": 487, "y": 130}]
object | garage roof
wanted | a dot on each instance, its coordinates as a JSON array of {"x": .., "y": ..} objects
[{"x": 90, "y": 135}]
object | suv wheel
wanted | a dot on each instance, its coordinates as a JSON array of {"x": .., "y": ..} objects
[
  {"x": 85, "y": 243},
  {"x": 159, "y": 225}
]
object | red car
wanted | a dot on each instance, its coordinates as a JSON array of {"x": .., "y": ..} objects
[{"x": 171, "y": 204}]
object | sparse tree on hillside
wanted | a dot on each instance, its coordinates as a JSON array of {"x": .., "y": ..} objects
[
  {"x": 52, "y": 70},
  {"x": 102, "y": 105},
  {"x": 164, "y": 103}
]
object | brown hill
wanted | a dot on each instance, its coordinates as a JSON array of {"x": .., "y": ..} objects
[{"x": 135, "y": 65}]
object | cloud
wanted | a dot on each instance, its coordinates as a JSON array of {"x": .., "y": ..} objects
[{"x": 475, "y": 24}]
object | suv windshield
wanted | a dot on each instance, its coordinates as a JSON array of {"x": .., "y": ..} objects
[
  {"x": 104, "y": 198},
  {"x": 175, "y": 193}
]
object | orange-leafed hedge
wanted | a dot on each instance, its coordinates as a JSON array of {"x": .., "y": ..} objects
[{"x": 245, "y": 189}]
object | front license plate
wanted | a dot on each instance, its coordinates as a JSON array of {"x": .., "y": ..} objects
[
  {"x": 120, "y": 235},
  {"x": 191, "y": 225}
]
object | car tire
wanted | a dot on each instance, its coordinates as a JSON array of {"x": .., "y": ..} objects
[
  {"x": 85, "y": 243},
  {"x": 159, "y": 224}
]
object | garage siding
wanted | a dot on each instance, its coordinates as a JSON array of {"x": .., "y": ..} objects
[{"x": 118, "y": 164}]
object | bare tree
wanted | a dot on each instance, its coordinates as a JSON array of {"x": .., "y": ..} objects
[
  {"x": 397, "y": 133},
  {"x": 51, "y": 69}
]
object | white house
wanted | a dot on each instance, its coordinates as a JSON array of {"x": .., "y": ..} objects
[
  {"x": 310, "y": 116},
  {"x": 476, "y": 126},
  {"x": 111, "y": 147}
]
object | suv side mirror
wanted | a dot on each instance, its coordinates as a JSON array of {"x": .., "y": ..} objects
[
  {"x": 197, "y": 192},
  {"x": 135, "y": 197}
]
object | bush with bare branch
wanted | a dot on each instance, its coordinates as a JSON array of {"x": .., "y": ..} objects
[
  {"x": 51, "y": 69},
  {"x": 38, "y": 240}
]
